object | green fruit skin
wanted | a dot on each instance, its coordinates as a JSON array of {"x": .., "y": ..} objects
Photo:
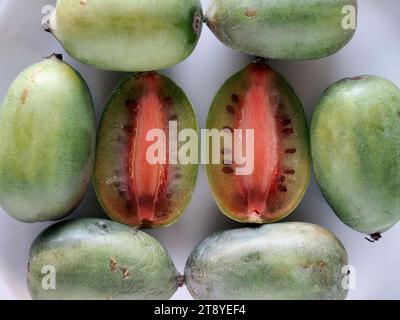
[
  {"x": 282, "y": 261},
  {"x": 98, "y": 259},
  {"x": 47, "y": 140},
  {"x": 131, "y": 35},
  {"x": 356, "y": 152},
  {"x": 281, "y": 29}
]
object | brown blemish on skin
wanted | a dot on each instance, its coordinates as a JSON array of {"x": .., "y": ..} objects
[
  {"x": 309, "y": 264},
  {"x": 24, "y": 95},
  {"x": 29, "y": 267},
  {"x": 197, "y": 22},
  {"x": 82, "y": 2},
  {"x": 30, "y": 82},
  {"x": 125, "y": 273},
  {"x": 249, "y": 13},
  {"x": 113, "y": 265}
]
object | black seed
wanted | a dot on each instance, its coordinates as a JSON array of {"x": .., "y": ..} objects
[
  {"x": 230, "y": 109},
  {"x": 129, "y": 205},
  {"x": 177, "y": 176},
  {"x": 235, "y": 98},
  {"x": 168, "y": 101},
  {"x": 290, "y": 171},
  {"x": 228, "y": 170},
  {"x": 128, "y": 128},
  {"x": 282, "y": 179},
  {"x": 168, "y": 195},
  {"x": 286, "y": 122},
  {"x": 121, "y": 193},
  {"x": 290, "y": 151},
  {"x": 131, "y": 104},
  {"x": 288, "y": 131},
  {"x": 282, "y": 188},
  {"x": 174, "y": 117}
]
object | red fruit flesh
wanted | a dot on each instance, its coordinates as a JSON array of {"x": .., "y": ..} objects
[
  {"x": 257, "y": 113},
  {"x": 146, "y": 181}
]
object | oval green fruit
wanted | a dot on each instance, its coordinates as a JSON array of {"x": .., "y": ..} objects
[
  {"x": 128, "y": 35},
  {"x": 98, "y": 259},
  {"x": 47, "y": 139},
  {"x": 137, "y": 178},
  {"x": 284, "y": 29},
  {"x": 258, "y": 100},
  {"x": 281, "y": 261},
  {"x": 356, "y": 152}
]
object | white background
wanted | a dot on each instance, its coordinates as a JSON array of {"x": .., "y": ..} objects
[{"x": 375, "y": 49}]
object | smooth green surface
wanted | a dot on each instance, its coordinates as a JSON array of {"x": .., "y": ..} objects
[
  {"x": 280, "y": 261},
  {"x": 281, "y": 29},
  {"x": 100, "y": 259},
  {"x": 47, "y": 138},
  {"x": 356, "y": 152},
  {"x": 128, "y": 35}
]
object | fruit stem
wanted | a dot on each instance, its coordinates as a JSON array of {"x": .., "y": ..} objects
[
  {"x": 261, "y": 60},
  {"x": 180, "y": 281},
  {"x": 46, "y": 26},
  {"x": 57, "y": 56},
  {"x": 374, "y": 237}
]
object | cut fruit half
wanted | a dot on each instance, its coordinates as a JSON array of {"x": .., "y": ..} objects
[{"x": 258, "y": 100}]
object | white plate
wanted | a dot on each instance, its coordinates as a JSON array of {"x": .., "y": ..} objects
[{"x": 374, "y": 50}]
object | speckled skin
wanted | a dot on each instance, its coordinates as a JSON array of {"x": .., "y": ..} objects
[
  {"x": 281, "y": 29},
  {"x": 47, "y": 139},
  {"x": 356, "y": 152},
  {"x": 128, "y": 35},
  {"x": 279, "y": 262},
  {"x": 100, "y": 259}
]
